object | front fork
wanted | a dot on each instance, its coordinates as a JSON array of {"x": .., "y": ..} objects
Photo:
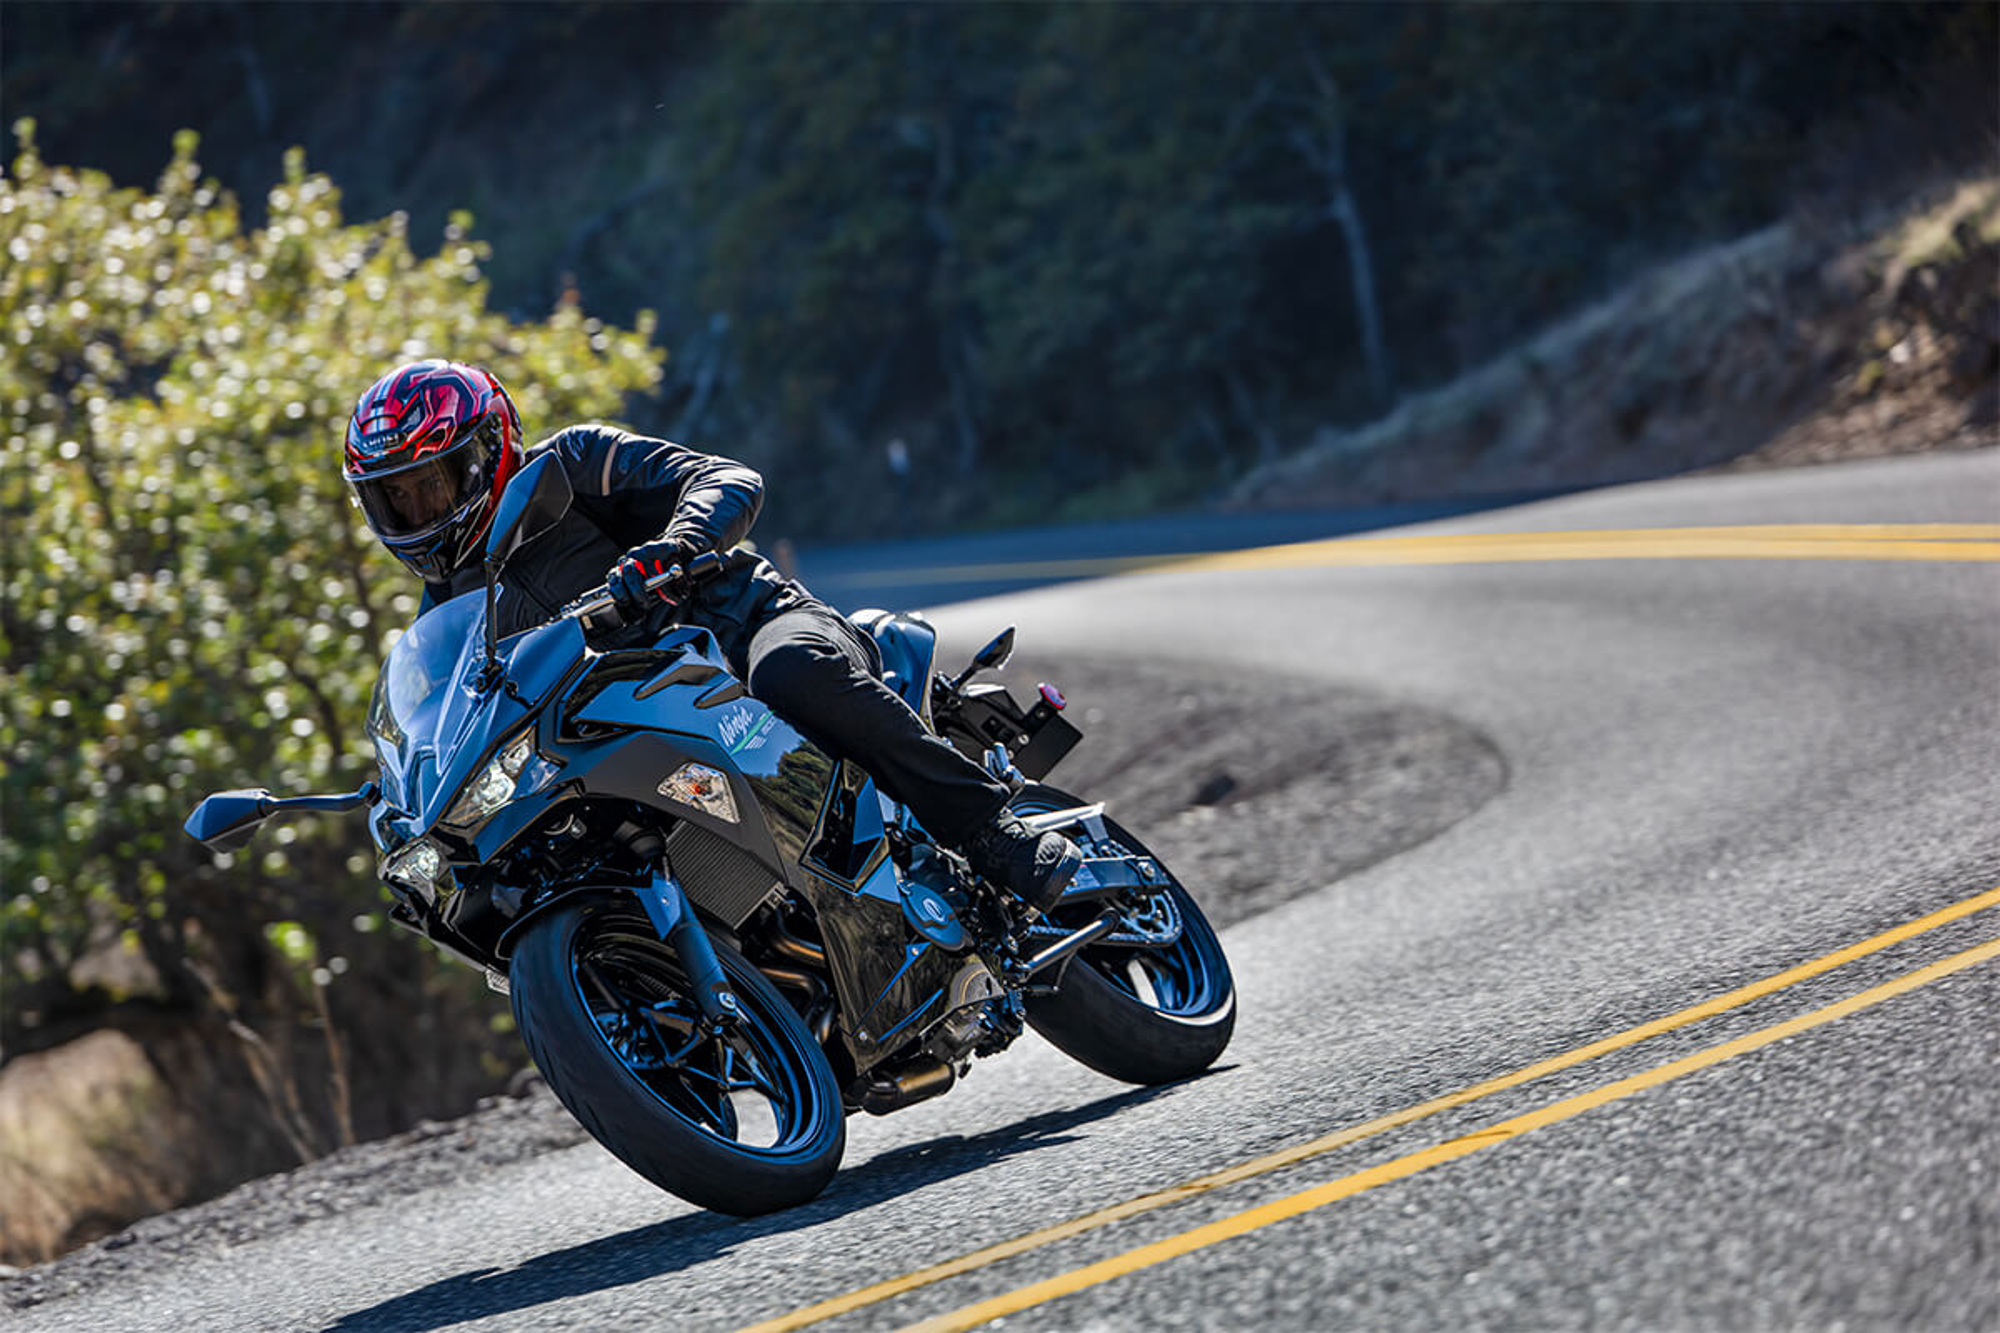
[{"x": 673, "y": 917}]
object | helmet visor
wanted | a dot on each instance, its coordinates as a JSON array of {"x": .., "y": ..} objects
[{"x": 420, "y": 498}]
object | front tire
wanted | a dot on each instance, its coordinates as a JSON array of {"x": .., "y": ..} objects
[
  {"x": 746, "y": 1122},
  {"x": 1138, "y": 1014}
]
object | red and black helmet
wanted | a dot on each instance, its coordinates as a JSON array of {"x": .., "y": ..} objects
[{"x": 429, "y": 449}]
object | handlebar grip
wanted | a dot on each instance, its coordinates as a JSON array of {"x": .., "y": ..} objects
[{"x": 598, "y": 611}]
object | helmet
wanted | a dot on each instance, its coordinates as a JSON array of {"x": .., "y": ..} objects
[{"x": 429, "y": 449}]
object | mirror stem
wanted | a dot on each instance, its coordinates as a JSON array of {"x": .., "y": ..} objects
[
  {"x": 493, "y": 673},
  {"x": 490, "y": 673}
]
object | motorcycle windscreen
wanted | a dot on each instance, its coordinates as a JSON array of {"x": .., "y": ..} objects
[
  {"x": 410, "y": 696},
  {"x": 426, "y": 704}
]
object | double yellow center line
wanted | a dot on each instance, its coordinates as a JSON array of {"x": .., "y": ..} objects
[
  {"x": 1772, "y": 541},
  {"x": 1795, "y": 541},
  {"x": 1346, "y": 1186}
]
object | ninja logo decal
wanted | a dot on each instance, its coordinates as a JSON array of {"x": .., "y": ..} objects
[{"x": 741, "y": 730}]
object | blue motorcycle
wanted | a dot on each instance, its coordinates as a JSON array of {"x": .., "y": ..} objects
[{"x": 719, "y": 941}]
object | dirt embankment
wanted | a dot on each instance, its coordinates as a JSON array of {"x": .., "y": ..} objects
[
  {"x": 124, "y": 1121},
  {"x": 1794, "y": 345}
]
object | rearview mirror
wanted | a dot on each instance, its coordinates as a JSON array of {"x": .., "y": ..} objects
[
  {"x": 223, "y": 822},
  {"x": 533, "y": 502},
  {"x": 996, "y": 653}
]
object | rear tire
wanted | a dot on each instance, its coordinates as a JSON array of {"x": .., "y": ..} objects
[
  {"x": 746, "y": 1123},
  {"x": 1142, "y": 1015}
]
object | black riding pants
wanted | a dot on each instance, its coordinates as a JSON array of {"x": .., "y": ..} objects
[{"x": 818, "y": 671}]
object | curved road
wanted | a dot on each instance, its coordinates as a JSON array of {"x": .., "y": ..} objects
[{"x": 1697, "y": 1024}]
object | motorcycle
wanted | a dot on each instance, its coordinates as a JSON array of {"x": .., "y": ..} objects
[{"x": 718, "y": 941}]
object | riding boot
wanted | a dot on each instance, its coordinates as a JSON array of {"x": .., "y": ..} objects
[{"x": 1035, "y": 867}]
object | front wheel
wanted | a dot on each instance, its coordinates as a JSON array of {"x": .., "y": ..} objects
[
  {"x": 1142, "y": 1013},
  {"x": 744, "y": 1121}
]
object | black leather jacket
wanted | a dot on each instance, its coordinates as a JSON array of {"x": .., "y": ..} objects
[{"x": 631, "y": 489}]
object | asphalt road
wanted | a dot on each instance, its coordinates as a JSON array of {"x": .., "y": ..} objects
[{"x": 1721, "y": 771}]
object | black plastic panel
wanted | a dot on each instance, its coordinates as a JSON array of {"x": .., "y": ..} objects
[
  {"x": 891, "y": 983},
  {"x": 1037, "y": 738}
]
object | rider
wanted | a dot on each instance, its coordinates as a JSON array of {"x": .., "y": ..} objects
[{"x": 430, "y": 448}]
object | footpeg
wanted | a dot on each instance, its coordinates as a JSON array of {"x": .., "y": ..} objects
[
  {"x": 1070, "y": 945},
  {"x": 1130, "y": 880}
]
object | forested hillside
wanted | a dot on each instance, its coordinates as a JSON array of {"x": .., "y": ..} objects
[{"x": 1105, "y": 255}]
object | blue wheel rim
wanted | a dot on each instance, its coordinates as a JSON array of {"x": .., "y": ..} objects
[{"x": 745, "y": 1089}]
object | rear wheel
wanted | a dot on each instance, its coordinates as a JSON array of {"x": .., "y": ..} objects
[
  {"x": 743, "y": 1121},
  {"x": 1137, "y": 1011}
]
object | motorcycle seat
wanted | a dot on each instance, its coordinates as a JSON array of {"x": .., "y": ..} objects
[{"x": 908, "y": 645}]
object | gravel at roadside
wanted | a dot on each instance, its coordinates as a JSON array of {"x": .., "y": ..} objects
[{"x": 1255, "y": 787}]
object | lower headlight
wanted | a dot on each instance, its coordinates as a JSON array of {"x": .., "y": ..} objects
[{"x": 418, "y": 866}]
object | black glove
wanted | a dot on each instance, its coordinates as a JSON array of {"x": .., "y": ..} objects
[{"x": 627, "y": 580}]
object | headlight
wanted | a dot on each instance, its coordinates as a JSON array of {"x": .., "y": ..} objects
[
  {"x": 500, "y": 781},
  {"x": 418, "y": 866},
  {"x": 702, "y": 788}
]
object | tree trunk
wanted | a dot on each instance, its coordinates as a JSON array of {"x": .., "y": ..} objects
[
  {"x": 707, "y": 373},
  {"x": 1253, "y": 421},
  {"x": 958, "y": 376},
  {"x": 1323, "y": 144},
  {"x": 954, "y": 340},
  {"x": 1367, "y": 310}
]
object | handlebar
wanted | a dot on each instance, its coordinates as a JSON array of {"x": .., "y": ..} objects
[{"x": 597, "y": 611}]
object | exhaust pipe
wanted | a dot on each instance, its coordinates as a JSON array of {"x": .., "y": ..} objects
[{"x": 912, "y": 1085}]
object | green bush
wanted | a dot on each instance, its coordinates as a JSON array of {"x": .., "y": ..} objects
[{"x": 191, "y": 602}]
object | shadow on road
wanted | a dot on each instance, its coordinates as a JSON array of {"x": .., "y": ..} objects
[{"x": 686, "y": 1242}]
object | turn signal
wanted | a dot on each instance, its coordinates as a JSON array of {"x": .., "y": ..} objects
[{"x": 702, "y": 788}]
